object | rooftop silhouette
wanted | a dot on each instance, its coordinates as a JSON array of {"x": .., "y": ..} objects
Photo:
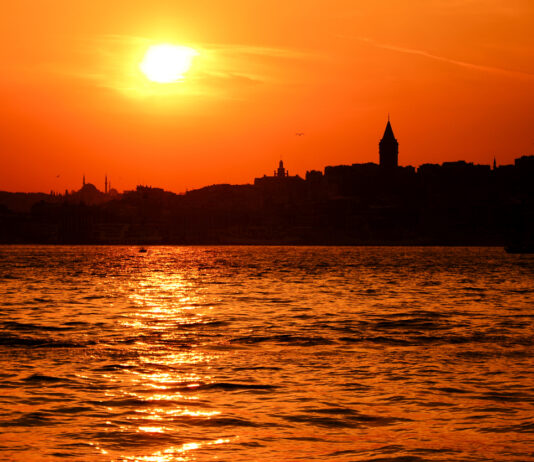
[{"x": 452, "y": 203}]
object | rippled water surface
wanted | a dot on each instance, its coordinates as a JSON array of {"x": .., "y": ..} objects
[{"x": 266, "y": 354}]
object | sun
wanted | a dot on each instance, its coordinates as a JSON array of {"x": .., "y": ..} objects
[{"x": 167, "y": 63}]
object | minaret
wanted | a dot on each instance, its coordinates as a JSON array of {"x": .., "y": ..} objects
[
  {"x": 494, "y": 163},
  {"x": 388, "y": 148},
  {"x": 83, "y": 180},
  {"x": 106, "y": 185}
]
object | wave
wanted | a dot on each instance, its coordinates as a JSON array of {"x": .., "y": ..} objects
[
  {"x": 37, "y": 342},
  {"x": 285, "y": 339},
  {"x": 20, "y": 326},
  {"x": 41, "y": 378},
  {"x": 224, "y": 386},
  {"x": 31, "y": 419},
  {"x": 353, "y": 420}
]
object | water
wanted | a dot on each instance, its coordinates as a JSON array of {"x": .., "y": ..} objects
[{"x": 266, "y": 354}]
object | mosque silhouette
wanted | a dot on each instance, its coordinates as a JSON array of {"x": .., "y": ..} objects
[{"x": 453, "y": 203}]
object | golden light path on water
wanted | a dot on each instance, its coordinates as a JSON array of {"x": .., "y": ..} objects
[
  {"x": 160, "y": 308},
  {"x": 235, "y": 353}
]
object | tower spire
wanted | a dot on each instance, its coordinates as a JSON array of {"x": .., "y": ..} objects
[
  {"x": 388, "y": 148},
  {"x": 281, "y": 172}
]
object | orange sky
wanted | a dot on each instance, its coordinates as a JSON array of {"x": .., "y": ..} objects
[{"x": 457, "y": 77}]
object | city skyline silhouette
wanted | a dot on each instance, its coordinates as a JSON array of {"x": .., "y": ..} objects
[
  {"x": 453, "y": 203},
  {"x": 388, "y": 158}
]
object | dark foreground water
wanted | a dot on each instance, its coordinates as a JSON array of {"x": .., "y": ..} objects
[{"x": 266, "y": 354}]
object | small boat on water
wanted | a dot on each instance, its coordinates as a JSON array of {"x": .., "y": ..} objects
[{"x": 142, "y": 250}]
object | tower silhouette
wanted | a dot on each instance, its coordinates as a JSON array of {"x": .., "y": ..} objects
[
  {"x": 388, "y": 149},
  {"x": 281, "y": 172}
]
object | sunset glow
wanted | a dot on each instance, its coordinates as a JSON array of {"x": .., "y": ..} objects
[
  {"x": 167, "y": 63},
  {"x": 184, "y": 96}
]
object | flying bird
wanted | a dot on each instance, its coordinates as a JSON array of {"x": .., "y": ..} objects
[{"x": 299, "y": 134}]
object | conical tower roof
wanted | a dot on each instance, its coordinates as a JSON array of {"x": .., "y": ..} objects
[{"x": 388, "y": 133}]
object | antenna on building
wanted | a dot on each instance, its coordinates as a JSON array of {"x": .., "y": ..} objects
[
  {"x": 83, "y": 182},
  {"x": 106, "y": 184}
]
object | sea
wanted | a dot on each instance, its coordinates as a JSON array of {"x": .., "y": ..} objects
[{"x": 262, "y": 353}]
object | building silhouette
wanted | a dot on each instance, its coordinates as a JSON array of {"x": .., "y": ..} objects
[
  {"x": 280, "y": 188},
  {"x": 388, "y": 149},
  {"x": 453, "y": 203},
  {"x": 281, "y": 172},
  {"x": 89, "y": 194},
  {"x": 280, "y": 177}
]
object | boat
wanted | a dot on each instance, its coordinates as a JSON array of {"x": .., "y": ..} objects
[{"x": 143, "y": 250}]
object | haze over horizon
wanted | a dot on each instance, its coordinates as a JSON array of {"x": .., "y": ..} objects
[{"x": 456, "y": 76}]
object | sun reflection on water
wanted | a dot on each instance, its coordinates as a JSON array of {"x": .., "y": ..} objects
[
  {"x": 162, "y": 309},
  {"x": 179, "y": 453},
  {"x": 171, "y": 397},
  {"x": 157, "y": 414},
  {"x": 152, "y": 429}
]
